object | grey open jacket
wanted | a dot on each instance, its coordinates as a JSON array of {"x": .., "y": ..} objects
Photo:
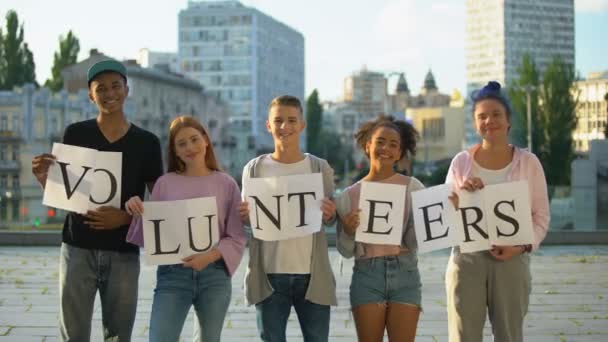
[{"x": 322, "y": 285}]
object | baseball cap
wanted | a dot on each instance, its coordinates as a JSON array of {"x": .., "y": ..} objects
[{"x": 106, "y": 65}]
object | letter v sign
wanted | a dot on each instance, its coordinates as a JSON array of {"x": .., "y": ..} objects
[{"x": 66, "y": 181}]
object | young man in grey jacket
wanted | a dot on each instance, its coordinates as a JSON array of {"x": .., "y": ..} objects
[{"x": 294, "y": 272}]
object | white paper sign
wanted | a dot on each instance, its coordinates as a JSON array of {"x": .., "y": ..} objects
[
  {"x": 69, "y": 181},
  {"x": 382, "y": 212},
  {"x": 106, "y": 189},
  {"x": 472, "y": 223},
  {"x": 285, "y": 207},
  {"x": 510, "y": 219},
  {"x": 435, "y": 218},
  {"x": 174, "y": 230}
]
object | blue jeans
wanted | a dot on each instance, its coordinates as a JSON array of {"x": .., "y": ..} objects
[
  {"x": 178, "y": 288},
  {"x": 273, "y": 312},
  {"x": 84, "y": 271},
  {"x": 388, "y": 279}
]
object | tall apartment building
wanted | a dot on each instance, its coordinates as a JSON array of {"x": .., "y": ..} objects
[
  {"x": 592, "y": 110},
  {"x": 242, "y": 56},
  {"x": 500, "y": 32},
  {"x": 366, "y": 92}
]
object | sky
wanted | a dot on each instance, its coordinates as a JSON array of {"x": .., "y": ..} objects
[{"x": 341, "y": 36}]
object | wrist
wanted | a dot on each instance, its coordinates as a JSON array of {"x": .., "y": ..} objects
[
  {"x": 525, "y": 248},
  {"x": 126, "y": 218}
]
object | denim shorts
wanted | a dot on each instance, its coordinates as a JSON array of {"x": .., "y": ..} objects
[{"x": 388, "y": 279}]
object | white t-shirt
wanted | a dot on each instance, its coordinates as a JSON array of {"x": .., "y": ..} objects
[
  {"x": 490, "y": 177},
  {"x": 292, "y": 255}
]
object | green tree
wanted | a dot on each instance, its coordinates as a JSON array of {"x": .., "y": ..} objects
[
  {"x": 528, "y": 80},
  {"x": 17, "y": 61},
  {"x": 337, "y": 154},
  {"x": 314, "y": 117},
  {"x": 69, "y": 47},
  {"x": 558, "y": 121}
]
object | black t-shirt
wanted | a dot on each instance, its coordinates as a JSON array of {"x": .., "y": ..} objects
[{"x": 141, "y": 164}]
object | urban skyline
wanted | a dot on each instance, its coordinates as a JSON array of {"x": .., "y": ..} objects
[{"x": 400, "y": 36}]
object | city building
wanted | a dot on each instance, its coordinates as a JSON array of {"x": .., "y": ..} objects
[
  {"x": 429, "y": 95},
  {"x": 30, "y": 121},
  {"x": 441, "y": 129},
  {"x": 243, "y": 57},
  {"x": 167, "y": 61},
  {"x": 500, "y": 32},
  {"x": 156, "y": 97},
  {"x": 366, "y": 92},
  {"x": 592, "y": 110}
]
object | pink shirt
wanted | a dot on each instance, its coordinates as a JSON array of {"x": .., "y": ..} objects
[
  {"x": 524, "y": 166},
  {"x": 172, "y": 186}
]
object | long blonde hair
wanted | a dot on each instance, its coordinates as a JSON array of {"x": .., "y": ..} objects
[{"x": 177, "y": 165}]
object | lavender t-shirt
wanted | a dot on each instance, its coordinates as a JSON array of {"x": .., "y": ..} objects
[{"x": 172, "y": 186}]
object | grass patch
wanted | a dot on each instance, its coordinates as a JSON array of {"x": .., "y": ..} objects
[
  {"x": 576, "y": 322},
  {"x": 8, "y": 331}
]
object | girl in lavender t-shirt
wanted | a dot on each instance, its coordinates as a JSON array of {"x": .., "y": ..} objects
[{"x": 202, "y": 280}]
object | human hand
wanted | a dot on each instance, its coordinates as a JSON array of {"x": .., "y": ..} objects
[
  {"x": 473, "y": 184},
  {"x": 454, "y": 199},
  {"x": 40, "y": 166},
  {"x": 504, "y": 253},
  {"x": 244, "y": 212},
  {"x": 197, "y": 262},
  {"x": 107, "y": 217},
  {"x": 134, "y": 206},
  {"x": 328, "y": 207},
  {"x": 351, "y": 221}
]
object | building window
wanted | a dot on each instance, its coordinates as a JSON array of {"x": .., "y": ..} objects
[
  {"x": 3, "y": 182},
  {"x": 3, "y": 123},
  {"x": 15, "y": 181},
  {"x": 16, "y": 209},
  {"x": 15, "y": 152},
  {"x": 3, "y": 152}
]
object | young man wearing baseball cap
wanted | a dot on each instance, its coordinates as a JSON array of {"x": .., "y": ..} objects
[{"x": 94, "y": 253}]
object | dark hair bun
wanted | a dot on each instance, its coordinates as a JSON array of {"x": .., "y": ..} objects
[{"x": 492, "y": 85}]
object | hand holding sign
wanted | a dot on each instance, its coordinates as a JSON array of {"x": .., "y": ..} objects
[
  {"x": 328, "y": 208},
  {"x": 106, "y": 217},
  {"x": 495, "y": 217},
  {"x": 40, "y": 166}
]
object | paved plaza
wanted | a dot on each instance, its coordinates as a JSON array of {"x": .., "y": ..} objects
[{"x": 569, "y": 298}]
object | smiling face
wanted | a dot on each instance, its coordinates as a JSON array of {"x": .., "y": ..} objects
[
  {"x": 109, "y": 92},
  {"x": 384, "y": 146},
  {"x": 285, "y": 123},
  {"x": 492, "y": 121},
  {"x": 191, "y": 146}
]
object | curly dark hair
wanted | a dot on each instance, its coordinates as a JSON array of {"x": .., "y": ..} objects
[{"x": 407, "y": 134}]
